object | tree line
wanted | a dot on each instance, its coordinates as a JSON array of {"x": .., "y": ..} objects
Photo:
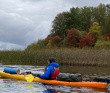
[{"x": 79, "y": 27}]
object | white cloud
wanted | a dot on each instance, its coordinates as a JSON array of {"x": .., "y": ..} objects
[{"x": 24, "y": 21}]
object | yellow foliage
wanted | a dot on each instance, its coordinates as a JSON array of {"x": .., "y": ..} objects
[
  {"x": 95, "y": 28},
  {"x": 95, "y": 23}
]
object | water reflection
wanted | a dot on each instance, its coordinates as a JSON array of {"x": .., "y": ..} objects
[
  {"x": 29, "y": 85},
  {"x": 50, "y": 91},
  {"x": 64, "y": 89}
]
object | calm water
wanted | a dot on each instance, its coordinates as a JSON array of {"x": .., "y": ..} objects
[{"x": 17, "y": 86}]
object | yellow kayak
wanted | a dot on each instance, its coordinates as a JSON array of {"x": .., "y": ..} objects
[{"x": 56, "y": 82}]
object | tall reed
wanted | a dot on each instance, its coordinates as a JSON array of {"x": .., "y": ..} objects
[{"x": 64, "y": 56}]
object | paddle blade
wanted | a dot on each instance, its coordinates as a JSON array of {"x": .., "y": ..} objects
[{"x": 29, "y": 78}]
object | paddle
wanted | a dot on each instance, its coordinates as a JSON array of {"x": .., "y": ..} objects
[{"x": 29, "y": 78}]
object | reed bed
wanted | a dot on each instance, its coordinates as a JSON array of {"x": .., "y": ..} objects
[{"x": 64, "y": 56}]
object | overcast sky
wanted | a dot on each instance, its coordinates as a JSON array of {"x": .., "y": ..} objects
[{"x": 23, "y": 22}]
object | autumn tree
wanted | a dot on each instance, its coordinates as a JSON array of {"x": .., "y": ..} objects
[
  {"x": 72, "y": 38},
  {"x": 87, "y": 40},
  {"x": 49, "y": 45},
  {"x": 46, "y": 40},
  {"x": 57, "y": 40},
  {"x": 106, "y": 37},
  {"x": 95, "y": 30}
]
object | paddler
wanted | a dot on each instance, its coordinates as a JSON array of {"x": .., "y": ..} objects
[{"x": 51, "y": 71}]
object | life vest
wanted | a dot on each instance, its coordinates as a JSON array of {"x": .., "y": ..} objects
[{"x": 55, "y": 73}]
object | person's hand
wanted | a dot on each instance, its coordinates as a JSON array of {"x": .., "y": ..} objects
[{"x": 38, "y": 75}]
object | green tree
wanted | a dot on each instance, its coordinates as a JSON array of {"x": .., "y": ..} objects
[
  {"x": 59, "y": 25},
  {"x": 99, "y": 14},
  {"x": 85, "y": 18},
  {"x": 107, "y": 25},
  {"x": 73, "y": 20},
  {"x": 36, "y": 45},
  {"x": 107, "y": 9}
]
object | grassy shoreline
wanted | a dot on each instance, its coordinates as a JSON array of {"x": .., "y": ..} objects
[{"x": 64, "y": 56}]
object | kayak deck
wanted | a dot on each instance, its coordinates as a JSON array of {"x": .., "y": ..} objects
[{"x": 56, "y": 82}]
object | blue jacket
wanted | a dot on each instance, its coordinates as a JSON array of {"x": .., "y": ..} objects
[{"x": 49, "y": 70}]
